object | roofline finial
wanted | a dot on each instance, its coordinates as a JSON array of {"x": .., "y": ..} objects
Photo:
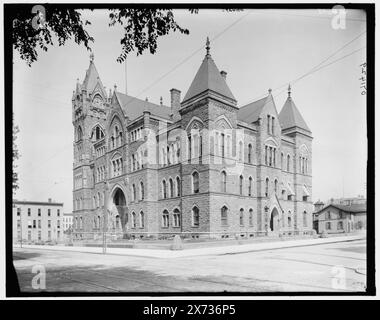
[
  {"x": 208, "y": 46},
  {"x": 289, "y": 90},
  {"x": 92, "y": 57}
]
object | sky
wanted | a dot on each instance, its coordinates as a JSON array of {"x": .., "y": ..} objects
[{"x": 259, "y": 49}]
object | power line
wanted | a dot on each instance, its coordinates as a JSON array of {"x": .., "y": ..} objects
[
  {"x": 315, "y": 68},
  {"x": 326, "y": 65},
  {"x": 189, "y": 57}
]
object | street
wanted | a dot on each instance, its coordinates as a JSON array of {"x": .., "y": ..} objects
[{"x": 339, "y": 267}]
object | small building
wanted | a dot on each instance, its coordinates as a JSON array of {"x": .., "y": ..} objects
[
  {"x": 37, "y": 221},
  {"x": 67, "y": 221},
  {"x": 336, "y": 218}
]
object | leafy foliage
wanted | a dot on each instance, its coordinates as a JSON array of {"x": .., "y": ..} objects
[
  {"x": 142, "y": 28},
  {"x": 35, "y": 26},
  {"x": 33, "y": 30}
]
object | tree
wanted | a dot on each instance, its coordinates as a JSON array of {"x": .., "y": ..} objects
[
  {"x": 35, "y": 26},
  {"x": 15, "y": 156}
]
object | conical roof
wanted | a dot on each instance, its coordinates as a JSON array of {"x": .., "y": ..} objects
[
  {"x": 92, "y": 77},
  {"x": 290, "y": 116},
  {"x": 208, "y": 77}
]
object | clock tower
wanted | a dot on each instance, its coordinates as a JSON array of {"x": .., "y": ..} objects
[{"x": 89, "y": 105}]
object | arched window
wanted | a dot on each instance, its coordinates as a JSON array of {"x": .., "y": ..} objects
[
  {"x": 305, "y": 219},
  {"x": 249, "y": 153},
  {"x": 266, "y": 187},
  {"x": 117, "y": 220},
  {"x": 98, "y": 222},
  {"x": 79, "y": 133},
  {"x": 288, "y": 163},
  {"x": 176, "y": 218},
  {"x": 289, "y": 220},
  {"x": 251, "y": 217},
  {"x": 195, "y": 217},
  {"x": 171, "y": 187},
  {"x": 250, "y": 186},
  {"x": 282, "y": 161},
  {"x": 224, "y": 181},
  {"x": 164, "y": 195},
  {"x": 94, "y": 202},
  {"x": 178, "y": 186},
  {"x": 224, "y": 216},
  {"x": 141, "y": 190},
  {"x": 275, "y": 186},
  {"x": 195, "y": 182},
  {"x": 134, "y": 223},
  {"x": 134, "y": 192},
  {"x": 80, "y": 223},
  {"x": 165, "y": 219},
  {"x": 241, "y": 185},
  {"x": 241, "y": 217},
  {"x": 141, "y": 219}
]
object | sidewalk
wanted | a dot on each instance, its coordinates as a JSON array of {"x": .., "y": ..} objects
[{"x": 154, "y": 253}]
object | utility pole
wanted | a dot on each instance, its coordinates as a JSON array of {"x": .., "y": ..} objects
[{"x": 20, "y": 229}]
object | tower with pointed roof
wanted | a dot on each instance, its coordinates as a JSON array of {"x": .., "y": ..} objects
[
  {"x": 294, "y": 126},
  {"x": 201, "y": 165},
  {"x": 89, "y": 105}
]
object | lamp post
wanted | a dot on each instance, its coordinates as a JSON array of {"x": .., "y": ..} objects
[{"x": 105, "y": 213}]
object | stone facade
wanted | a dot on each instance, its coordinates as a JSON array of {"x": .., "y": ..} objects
[{"x": 223, "y": 168}]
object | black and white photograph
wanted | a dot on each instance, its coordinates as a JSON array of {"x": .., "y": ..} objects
[{"x": 169, "y": 150}]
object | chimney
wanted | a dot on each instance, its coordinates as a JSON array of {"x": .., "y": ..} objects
[
  {"x": 175, "y": 103},
  {"x": 223, "y": 74},
  {"x": 49, "y": 200}
]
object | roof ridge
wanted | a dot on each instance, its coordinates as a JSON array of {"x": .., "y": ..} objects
[
  {"x": 290, "y": 116},
  {"x": 145, "y": 101},
  {"x": 250, "y": 103}
]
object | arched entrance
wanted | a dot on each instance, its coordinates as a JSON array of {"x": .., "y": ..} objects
[
  {"x": 274, "y": 217},
  {"x": 121, "y": 217}
]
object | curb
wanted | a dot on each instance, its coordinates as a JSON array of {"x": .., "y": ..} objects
[{"x": 212, "y": 251}]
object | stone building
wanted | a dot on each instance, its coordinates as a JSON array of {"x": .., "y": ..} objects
[
  {"x": 37, "y": 221},
  {"x": 202, "y": 164}
]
